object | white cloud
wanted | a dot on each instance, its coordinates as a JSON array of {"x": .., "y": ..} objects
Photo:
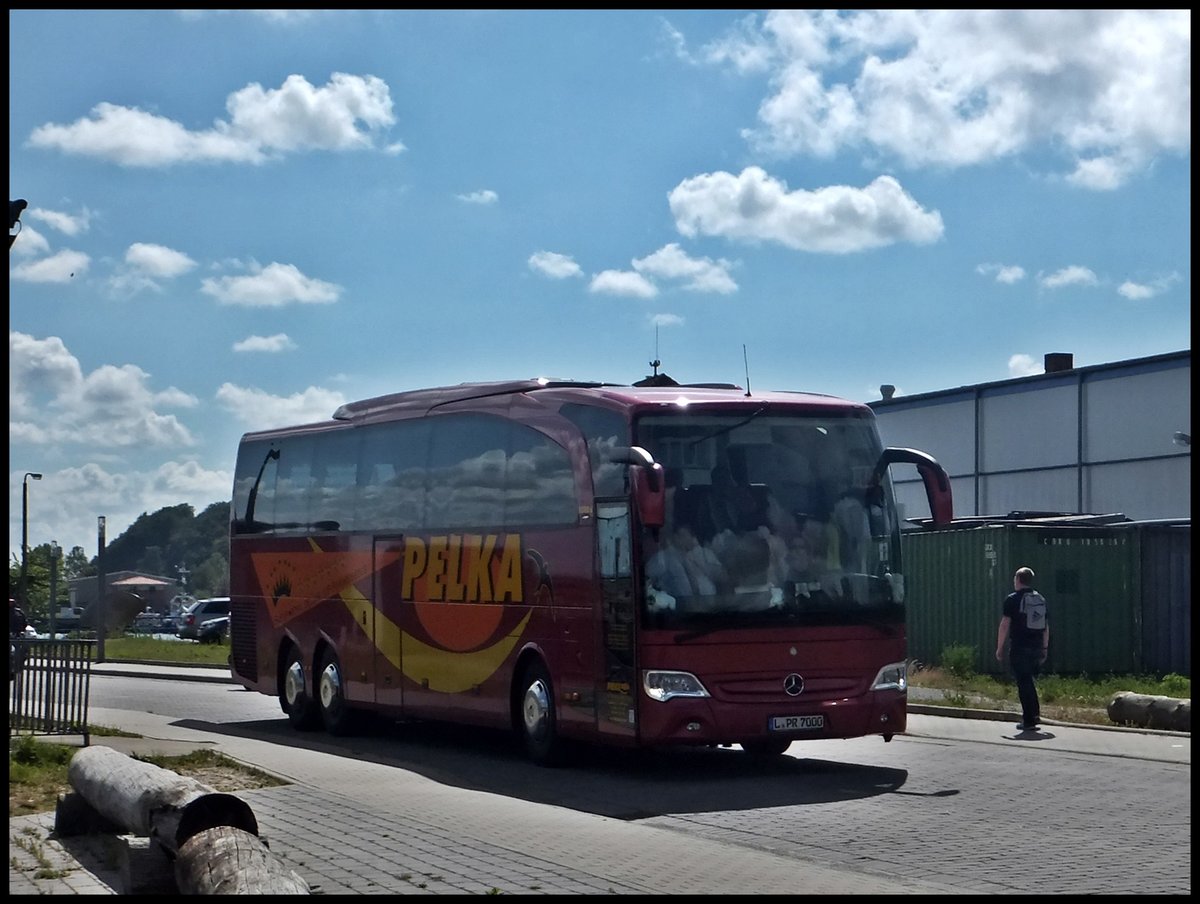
[
  {"x": 745, "y": 48},
  {"x": 158, "y": 261},
  {"x": 1003, "y": 273},
  {"x": 666, "y": 320},
  {"x": 147, "y": 264},
  {"x": 675, "y": 42},
  {"x": 1023, "y": 366},
  {"x": 69, "y": 500},
  {"x": 28, "y": 242},
  {"x": 485, "y": 196},
  {"x": 259, "y": 410},
  {"x": 58, "y": 268},
  {"x": 622, "y": 282},
  {"x": 280, "y": 342},
  {"x": 960, "y": 87},
  {"x": 272, "y": 286},
  {"x": 52, "y": 401},
  {"x": 344, "y": 114},
  {"x": 837, "y": 219},
  {"x": 274, "y": 16},
  {"x": 1069, "y": 276},
  {"x": 66, "y": 223},
  {"x": 1141, "y": 291},
  {"x": 554, "y": 265},
  {"x": 700, "y": 274}
]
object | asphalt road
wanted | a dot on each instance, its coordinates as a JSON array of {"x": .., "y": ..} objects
[{"x": 952, "y": 806}]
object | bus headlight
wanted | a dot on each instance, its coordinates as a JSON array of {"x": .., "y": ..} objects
[
  {"x": 892, "y": 677},
  {"x": 665, "y": 685}
]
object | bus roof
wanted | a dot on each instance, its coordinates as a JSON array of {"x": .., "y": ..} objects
[{"x": 632, "y": 396}]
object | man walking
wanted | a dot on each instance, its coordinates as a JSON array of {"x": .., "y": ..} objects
[{"x": 1026, "y": 626}]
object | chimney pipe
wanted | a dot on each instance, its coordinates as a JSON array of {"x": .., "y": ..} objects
[
  {"x": 886, "y": 391},
  {"x": 1056, "y": 362}
]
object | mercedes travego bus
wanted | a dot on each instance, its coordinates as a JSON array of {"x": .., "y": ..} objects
[{"x": 631, "y": 565}]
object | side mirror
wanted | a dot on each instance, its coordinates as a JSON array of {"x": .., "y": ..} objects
[
  {"x": 648, "y": 481},
  {"x": 933, "y": 475}
]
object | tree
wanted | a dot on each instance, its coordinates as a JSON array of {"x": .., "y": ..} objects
[
  {"x": 37, "y": 583},
  {"x": 76, "y": 564},
  {"x": 152, "y": 562},
  {"x": 211, "y": 577}
]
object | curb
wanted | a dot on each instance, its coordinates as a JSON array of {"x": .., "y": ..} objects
[{"x": 997, "y": 715}]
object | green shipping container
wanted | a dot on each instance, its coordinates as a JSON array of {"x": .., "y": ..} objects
[{"x": 956, "y": 581}]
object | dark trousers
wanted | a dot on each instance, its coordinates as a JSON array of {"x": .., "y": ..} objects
[{"x": 1026, "y": 663}]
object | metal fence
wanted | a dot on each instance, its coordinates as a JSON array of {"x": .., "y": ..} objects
[{"x": 48, "y": 686}]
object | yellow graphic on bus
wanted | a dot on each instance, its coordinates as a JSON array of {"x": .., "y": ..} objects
[{"x": 457, "y": 584}]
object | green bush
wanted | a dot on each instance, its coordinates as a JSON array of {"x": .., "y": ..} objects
[
  {"x": 1176, "y": 686},
  {"x": 959, "y": 660}
]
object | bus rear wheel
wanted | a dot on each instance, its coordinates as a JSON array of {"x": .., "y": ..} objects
[
  {"x": 293, "y": 694},
  {"x": 331, "y": 696},
  {"x": 537, "y": 718}
]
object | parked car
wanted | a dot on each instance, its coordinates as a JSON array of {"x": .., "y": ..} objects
[
  {"x": 147, "y": 622},
  {"x": 213, "y": 630},
  {"x": 195, "y": 614}
]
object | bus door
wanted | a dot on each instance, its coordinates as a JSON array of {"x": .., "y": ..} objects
[
  {"x": 389, "y": 667},
  {"x": 616, "y": 712}
]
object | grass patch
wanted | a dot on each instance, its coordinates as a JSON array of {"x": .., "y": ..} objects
[
  {"x": 37, "y": 771},
  {"x": 153, "y": 649},
  {"x": 1081, "y": 699}
]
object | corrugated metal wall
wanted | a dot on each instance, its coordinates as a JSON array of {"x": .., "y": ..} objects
[
  {"x": 956, "y": 582},
  {"x": 1166, "y": 562}
]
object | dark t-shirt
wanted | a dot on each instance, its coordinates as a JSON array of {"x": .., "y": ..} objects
[{"x": 1028, "y": 619}]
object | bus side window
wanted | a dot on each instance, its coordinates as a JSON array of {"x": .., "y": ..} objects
[
  {"x": 391, "y": 477},
  {"x": 334, "y": 482},
  {"x": 539, "y": 483},
  {"x": 294, "y": 484},
  {"x": 254, "y": 488},
  {"x": 467, "y": 461}
]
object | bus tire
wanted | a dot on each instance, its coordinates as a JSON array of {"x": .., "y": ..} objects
[
  {"x": 294, "y": 699},
  {"x": 768, "y": 747},
  {"x": 537, "y": 718},
  {"x": 336, "y": 713}
]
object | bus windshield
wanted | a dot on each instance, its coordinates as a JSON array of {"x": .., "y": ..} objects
[{"x": 769, "y": 518}]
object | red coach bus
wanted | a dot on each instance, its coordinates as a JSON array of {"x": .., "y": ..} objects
[{"x": 634, "y": 565}]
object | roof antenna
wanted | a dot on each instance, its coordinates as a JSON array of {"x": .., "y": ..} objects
[
  {"x": 746, "y": 361},
  {"x": 655, "y": 363}
]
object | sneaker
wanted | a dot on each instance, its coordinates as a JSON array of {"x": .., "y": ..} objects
[{"x": 1022, "y": 726}]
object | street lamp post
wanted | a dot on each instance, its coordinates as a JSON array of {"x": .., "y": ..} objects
[{"x": 21, "y": 594}]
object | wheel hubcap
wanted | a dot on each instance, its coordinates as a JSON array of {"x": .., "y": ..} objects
[
  {"x": 536, "y": 708},
  {"x": 331, "y": 686},
  {"x": 293, "y": 683}
]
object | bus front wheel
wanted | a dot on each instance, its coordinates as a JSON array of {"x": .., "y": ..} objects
[
  {"x": 331, "y": 696},
  {"x": 537, "y": 719},
  {"x": 293, "y": 694}
]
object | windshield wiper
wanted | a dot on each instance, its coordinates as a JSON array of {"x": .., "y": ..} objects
[{"x": 731, "y": 427}]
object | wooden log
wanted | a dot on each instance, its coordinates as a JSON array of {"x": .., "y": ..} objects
[
  {"x": 1151, "y": 711},
  {"x": 73, "y": 815},
  {"x": 230, "y": 861},
  {"x": 145, "y": 799}
]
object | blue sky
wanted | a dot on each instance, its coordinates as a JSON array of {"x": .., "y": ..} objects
[{"x": 242, "y": 218}]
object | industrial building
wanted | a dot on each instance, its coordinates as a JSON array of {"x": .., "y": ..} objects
[{"x": 1107, "y": 438}]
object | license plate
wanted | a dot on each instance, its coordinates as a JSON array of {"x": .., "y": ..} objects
[{"x": 795, "y": 723}]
